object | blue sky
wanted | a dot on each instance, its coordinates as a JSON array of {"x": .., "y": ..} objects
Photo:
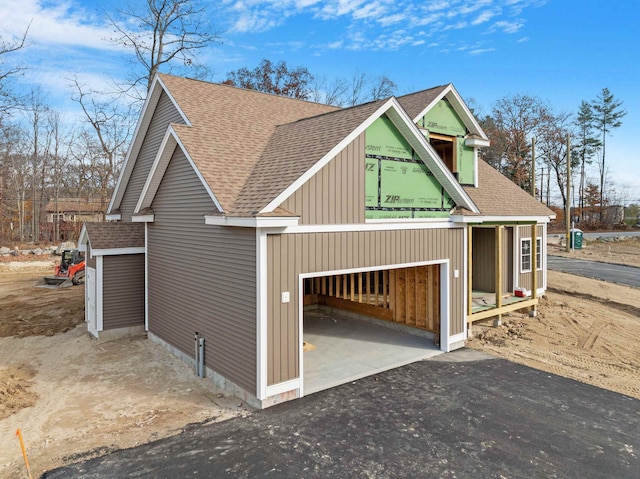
[{"x": 559, "y": 50}]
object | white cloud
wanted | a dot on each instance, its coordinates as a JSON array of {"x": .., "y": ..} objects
[
  {"x": 63, "y": 23},
  {"x": 508, "y": 27},
  {"x": 478, "y": 51}
]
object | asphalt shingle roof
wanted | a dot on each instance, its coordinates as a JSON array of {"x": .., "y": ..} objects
[
  {"x": 115, "y": 235},
  {"x": 251, "y": 146},
  {"x": 496, "y": 195}
]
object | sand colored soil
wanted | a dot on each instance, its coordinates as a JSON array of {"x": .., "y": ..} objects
[
  {"x": 74, "y": 397},
  {"x": 586, "y": 329}
]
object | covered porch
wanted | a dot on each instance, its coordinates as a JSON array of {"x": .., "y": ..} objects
[{"x": 493, "y": 265}]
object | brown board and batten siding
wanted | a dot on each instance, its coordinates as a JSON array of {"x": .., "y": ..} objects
[
  {"x": 290, "y": 255},
  {"x": 334, "y": 195},
  {"x": 201, "y": 277},
  {"x": 123, "y": 291},
  {"x": 524, "y": 279},
  {"x": 164, "y": 114}
]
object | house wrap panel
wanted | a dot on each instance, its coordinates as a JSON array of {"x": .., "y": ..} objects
[
  {"x": 123, "y": 291},
  {"x": 201, "y": 278},
  {"x": 289, "y": 255},
  {"x": 335, "y": 195},
  {"x": 164, "y": 114}
]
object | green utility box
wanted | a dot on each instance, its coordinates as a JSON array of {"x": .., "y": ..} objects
[{"x": 576, "y": 238}]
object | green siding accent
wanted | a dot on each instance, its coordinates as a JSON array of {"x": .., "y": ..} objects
[
  {"x": 443, "y": 119},
  {"x": 397, "y": 183}
]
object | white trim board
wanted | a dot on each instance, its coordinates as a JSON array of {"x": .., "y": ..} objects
[
  {"x": 262, "y": 315},
  {"x": 160, "y": 164},
  {"x": 117, "y": 251}
]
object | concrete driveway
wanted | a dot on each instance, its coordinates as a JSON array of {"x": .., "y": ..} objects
[
  {"x": 459, "y": 415},
  {"x": 614, "y": 273}
]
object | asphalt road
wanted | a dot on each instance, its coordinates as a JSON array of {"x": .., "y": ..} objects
[
  {"x": 485, "y": 418},
  {"x": 614, "y": 273}
]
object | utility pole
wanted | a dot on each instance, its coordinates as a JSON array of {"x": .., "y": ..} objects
[
  {"x": 533, "y": 167},
  {"x": 567, "y": 204}
]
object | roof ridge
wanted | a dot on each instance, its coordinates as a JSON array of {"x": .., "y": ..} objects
[{"x": 249, "y": 90}]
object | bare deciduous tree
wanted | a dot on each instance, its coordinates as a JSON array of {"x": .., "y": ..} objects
[
  {"x": 163, "y": 34},
  {"x": 111, "y": 124}
]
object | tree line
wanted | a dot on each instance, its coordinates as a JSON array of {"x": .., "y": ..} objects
[{"x": 44, "y": 159}]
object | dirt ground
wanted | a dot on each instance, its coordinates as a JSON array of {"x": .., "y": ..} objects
[{"x": 74, "y": 397}]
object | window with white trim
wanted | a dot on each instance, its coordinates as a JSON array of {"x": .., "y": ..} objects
[{"x": 525, "y": 254}]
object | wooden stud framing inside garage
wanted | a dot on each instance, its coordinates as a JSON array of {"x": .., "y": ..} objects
[{"x": 409, "y": 296}]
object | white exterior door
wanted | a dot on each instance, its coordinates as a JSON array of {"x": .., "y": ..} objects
[{"x": 90, "y": 301}]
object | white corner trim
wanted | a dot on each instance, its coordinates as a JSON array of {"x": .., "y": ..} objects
[
  {"x": 117, "y": 251},
  {"x": 252, "y": 222},
  {"x": 143, "y": 218},
  {"x": 146, "y": 279},
  {"x": 113, "y": 217},
  {"x": 262, "y": 315},
  {"x": 283, "y": 387},
  {"x": 445, "y": 310},
  {"x": 99, "y": 295}
]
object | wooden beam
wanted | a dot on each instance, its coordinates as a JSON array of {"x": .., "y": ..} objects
[{"x": 504, "y": 309}]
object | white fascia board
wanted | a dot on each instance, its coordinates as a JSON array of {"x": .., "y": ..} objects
[
  {"x": 459, "y": 106},
  {"x": 113, "y": 217},
  {"x": 328, "y": 157},
  {"x": 159, "y": 167},
  {"x": 117, "y": 251},
  {"x": 429, "y": 157},
  {"x": 501, "y": 219},
  {"x": 388, "y": 226},
  {"x": 150, "y": 104},
  {"x": 143, "y": 219},
  {"x": 83, "y": 239},
  {"x": 252, "y": 222}
]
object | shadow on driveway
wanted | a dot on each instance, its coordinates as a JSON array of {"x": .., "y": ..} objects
[{"x": 458, "y": 416}]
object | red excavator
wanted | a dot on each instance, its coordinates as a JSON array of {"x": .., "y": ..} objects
[{"x": 70, "y": 271}]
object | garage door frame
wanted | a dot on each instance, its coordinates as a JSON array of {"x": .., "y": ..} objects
[{"x": 445, "y": 340}]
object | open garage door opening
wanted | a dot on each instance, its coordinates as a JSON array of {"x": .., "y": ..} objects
[{"x": 362, "y": 323}]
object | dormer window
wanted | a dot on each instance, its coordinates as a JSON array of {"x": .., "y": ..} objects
[{"x": 445, "y": 146}]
